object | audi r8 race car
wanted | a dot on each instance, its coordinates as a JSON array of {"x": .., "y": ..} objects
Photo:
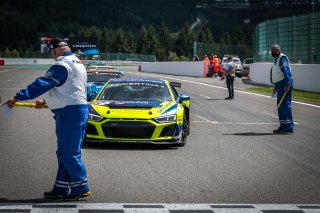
[
  {"x": 102, "y": 68},
  {"x": 141, "y": 111},
  {"x": 96, "y": 80}
]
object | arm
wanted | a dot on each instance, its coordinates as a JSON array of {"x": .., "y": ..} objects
[
  {"x": 54, "y": 77},
  {"x": 285, "y": 68}
]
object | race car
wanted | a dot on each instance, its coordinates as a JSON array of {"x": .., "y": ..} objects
[
  {"x": 96, "y": 80},
  {"x": 139, "y": 111},
  {"x": 102, "y": 68}
]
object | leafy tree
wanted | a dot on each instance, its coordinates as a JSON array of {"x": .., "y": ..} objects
[
  {"x": 173, "y": 56},
  {"x": 121, "y": 41},
  {"x": 15, "y": 54},
  {"x": 132, "y": 42},
  {"x": 107, "y": 40},
  {"x": 143, "y": 42},
  {"x": 7, "y": 53},
  {"x": 185, "y": 40},
  {"x": 166, "y": 42}
]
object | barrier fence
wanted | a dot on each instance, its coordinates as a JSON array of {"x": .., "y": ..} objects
[{"x": 298, "y": 36}]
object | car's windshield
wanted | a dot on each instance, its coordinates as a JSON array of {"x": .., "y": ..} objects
[
  {"x": 235, "y": 60},
  {"x": 134, "y": 91},
  {"x": 102, "y": 76},
  {"x": 248, "y": 61}
]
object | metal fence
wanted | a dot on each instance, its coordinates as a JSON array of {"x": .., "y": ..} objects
[
  {"x": 102, "y": 56},
  {"x": 221, "y": 49},
  {"x": 127, "y": 57},
  {"x": 298, "y": 36}
]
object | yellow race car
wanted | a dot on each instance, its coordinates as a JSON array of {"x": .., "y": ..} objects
[{"x": 140, "y": 111}]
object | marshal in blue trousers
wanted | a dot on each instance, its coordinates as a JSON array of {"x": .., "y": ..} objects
[
  {"x": 285, "y": 109},
  {"x": 71, "y": 177}
]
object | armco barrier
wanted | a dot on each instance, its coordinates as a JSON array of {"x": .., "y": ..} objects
[{"x": 306, "y": 76}]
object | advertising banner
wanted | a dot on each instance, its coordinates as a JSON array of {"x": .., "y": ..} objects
[
  {"x": 78, "y": 45},
  {"x": 81, "y": 46}
]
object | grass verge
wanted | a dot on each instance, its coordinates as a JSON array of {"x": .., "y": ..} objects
[{"x": 298, "y": 95}]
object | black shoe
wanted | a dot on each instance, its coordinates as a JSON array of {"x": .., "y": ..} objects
[
  {"x": 280, "y": 132},
  {"x": 228, "y": 98},
  {"x": 76, "y": 197},
  {"x": 52, "y": 195}
]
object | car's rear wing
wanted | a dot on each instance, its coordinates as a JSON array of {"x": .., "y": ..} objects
[{"x": 175, "y": 84}]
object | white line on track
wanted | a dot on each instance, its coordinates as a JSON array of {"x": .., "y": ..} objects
[
  {"x": 206, "y": 97},
  {"x": 205, "y": 84},
  {"x": 235, "y": 123}
]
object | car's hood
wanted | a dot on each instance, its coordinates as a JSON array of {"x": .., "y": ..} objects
[{"x": 133, "y": 109}]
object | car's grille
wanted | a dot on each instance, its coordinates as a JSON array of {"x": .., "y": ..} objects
[
  {"x": 168, "y": 130},
  {"x": 128, "y": 129},
  {"x": 91, "y": 129}
]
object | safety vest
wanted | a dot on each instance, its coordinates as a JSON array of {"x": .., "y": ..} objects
[
  {"x": 73, "y": 91},
  {"x": 276, "y": 73}
]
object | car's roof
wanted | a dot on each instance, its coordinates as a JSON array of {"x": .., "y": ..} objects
[
  {"x": 104, "y": 71},
  {"x": 138, "y": 80}
]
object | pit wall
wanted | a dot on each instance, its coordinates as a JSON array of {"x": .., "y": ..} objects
[{"x": 306, "y": 76}]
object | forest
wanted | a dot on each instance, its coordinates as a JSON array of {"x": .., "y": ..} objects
[{"x": 161, "y": 28}]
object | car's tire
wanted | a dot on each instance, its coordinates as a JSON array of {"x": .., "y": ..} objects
[{"x": 185, "y": 132}]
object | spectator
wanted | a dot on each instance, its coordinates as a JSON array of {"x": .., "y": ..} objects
[{"x": 229, "y": 73}]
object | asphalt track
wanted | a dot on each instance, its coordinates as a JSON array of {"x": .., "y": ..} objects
[{"x": 231, "y": 156}]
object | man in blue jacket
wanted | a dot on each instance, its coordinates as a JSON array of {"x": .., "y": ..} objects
[
  {"x": 64, "y": 89},
  {"x": 281, "y": 77}
]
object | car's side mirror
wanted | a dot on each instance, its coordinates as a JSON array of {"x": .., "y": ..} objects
[{"x": 183, "y": 97}]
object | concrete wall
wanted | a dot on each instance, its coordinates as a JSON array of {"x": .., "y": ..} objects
[
  {"x": 195, "y": 69},
  {"x": 306, "y": 76}
]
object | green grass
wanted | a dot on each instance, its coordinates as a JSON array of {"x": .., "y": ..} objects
[{"x": 299, "y": 95}]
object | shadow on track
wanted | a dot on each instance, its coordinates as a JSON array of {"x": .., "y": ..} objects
[
  {"x": 4, "y": 201},
  {"x": 251, "y": 134},
  {"x": 128, "y": 146}
]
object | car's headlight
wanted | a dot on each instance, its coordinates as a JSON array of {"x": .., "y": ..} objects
[
  {"x": 166, "y": 119},
  {"x": 93, "y": 115},
  {"x": 95, "y": 118}
]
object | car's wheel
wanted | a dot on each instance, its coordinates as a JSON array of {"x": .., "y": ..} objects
[{"x": 185, "y": 132}]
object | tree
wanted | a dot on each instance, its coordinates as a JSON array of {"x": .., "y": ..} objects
[
  {"x": 166, "y": 42},
  {"x": 107, "y": 41},
  {"x": 122, "y": 45},
  {"x": 143, "y": 42},
  {"x": 184, "y": 41}
]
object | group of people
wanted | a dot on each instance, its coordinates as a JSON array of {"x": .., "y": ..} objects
[
  {"x": 214, "y": 65},
  {"x": 64, "y": 88}
]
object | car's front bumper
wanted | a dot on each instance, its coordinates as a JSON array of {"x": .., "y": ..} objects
[{"x": 130, "y": 131}]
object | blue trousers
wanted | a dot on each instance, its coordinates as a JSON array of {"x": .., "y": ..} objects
[
  {"x": 229, "y": 81},
  {"x": 71, "y": 123},
  {"x": 285, "y": 109}
]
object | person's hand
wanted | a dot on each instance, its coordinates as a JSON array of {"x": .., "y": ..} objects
[
  {"x": 287, "y": 89},
  {"x": 40, "y": 104},
  {"x": 10, "y": 103}
]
